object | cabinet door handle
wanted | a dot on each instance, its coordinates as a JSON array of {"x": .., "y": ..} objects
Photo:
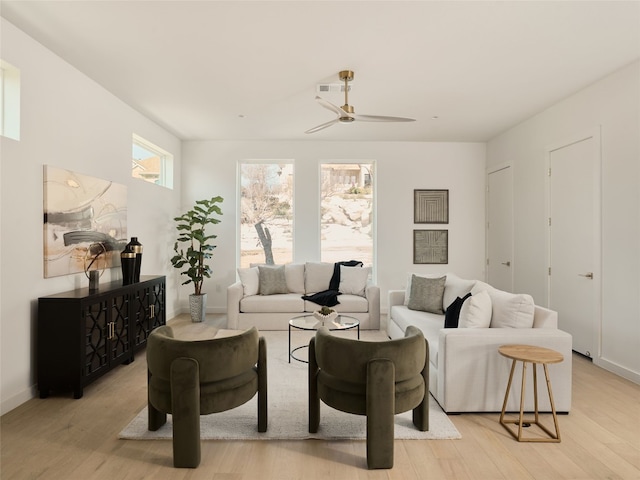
[
  {"x": 507, "y": 263},
  {"x": 588, "y": 275},
  {"x": 153, "y": 311}
]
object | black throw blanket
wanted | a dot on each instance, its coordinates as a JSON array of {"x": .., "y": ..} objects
[{"x": 329, "y": 298}]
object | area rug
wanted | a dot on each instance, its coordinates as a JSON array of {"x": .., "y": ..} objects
[{"x": 288, "y": 407}]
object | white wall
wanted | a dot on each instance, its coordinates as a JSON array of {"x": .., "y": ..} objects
[
  {"x": 613, "y": 104},
  {"x": 209, "y": 168},
  {"x": 68, "y": 121}
]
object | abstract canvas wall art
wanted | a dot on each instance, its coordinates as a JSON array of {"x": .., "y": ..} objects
[
  {"x": 430, "y": 246},
  {"x": 431, "y": 206},
  {"x": 85, "y": 218}
]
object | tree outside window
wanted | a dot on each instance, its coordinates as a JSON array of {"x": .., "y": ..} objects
[{"x": 266, "y": 208}]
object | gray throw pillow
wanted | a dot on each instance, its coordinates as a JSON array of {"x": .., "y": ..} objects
[
  {"x": 426, "y": 294},
  {"x": 272, "y": 280}
]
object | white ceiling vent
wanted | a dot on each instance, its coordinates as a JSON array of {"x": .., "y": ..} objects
[{"x": 331, "y": 88}]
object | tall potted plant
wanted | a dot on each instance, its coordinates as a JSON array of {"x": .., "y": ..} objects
[{"x": 191, "y": 230}]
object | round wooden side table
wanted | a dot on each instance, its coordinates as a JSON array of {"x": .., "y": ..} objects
[{"x": 534, "y": 355}]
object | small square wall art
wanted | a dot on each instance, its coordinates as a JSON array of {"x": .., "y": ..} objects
[
  {"x": 430, "y": 246},
  {"x": 431, "y": 206}
]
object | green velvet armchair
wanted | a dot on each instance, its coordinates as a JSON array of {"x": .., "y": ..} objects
[
  {"x": 376, "y": 379},
  {"x": 189, "y": 378}
]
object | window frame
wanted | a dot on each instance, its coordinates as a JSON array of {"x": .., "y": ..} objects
[{"x": 165, "y": 175}]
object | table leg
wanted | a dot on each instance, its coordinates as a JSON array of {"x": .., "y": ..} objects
[
  {"x": 553, "y": 406},
  {"x": 535, "y": 394},
  {"x": 522, "y": 393},
  {"x": 506, "y": 395}
]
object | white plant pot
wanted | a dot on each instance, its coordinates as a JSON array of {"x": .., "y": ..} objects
[
  {"x": 325, "y": 318},
  {"x": 198, "y": 307}
]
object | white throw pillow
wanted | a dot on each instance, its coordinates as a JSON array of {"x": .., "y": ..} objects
[
  {"x": 480, "y": 286},
  {"x": 294, "y": 273},
  {"x": 353, "y": 280},
  {"x": 476, "y": 311},
  {"x": 249, "y": 277},
  {"x": 511, "y": 310},
  {"x": 317, "y": 276},
  {"x": 455, "y": 287}
]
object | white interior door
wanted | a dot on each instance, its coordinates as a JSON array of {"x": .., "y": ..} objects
[
  {"x": 574, "y": 205},
  {"x": 500, "y": 229}
]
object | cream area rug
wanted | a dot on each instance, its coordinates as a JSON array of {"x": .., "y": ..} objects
[{"x": 287, "y": 399}]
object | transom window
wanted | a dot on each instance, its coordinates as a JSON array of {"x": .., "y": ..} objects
[
  {"x": 151, "y": 163},
  {"x": 9, "y": 101}
]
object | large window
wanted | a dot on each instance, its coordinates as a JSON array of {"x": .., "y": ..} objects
[
  {"x": 266, "y": 213},
  {"x": 347, "y": 209},
  {"x": 150, "y": 163}
]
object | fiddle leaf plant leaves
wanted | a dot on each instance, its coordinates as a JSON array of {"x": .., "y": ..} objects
[{"x": 191, "y": 226}]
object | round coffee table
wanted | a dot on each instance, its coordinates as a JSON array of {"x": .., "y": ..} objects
[{"x": 309, "y": 322}]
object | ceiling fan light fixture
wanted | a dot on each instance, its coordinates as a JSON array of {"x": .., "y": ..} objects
[{"x": 346, "y": 113}]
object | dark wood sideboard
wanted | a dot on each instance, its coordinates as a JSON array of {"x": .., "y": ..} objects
[{"x": 82, "y": 334}]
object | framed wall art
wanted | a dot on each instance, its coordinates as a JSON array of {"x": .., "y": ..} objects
[
  {"x": 431, "y": 206},
  {"x": 85, "y": 219},
  {"x": 430, "y": 246}
]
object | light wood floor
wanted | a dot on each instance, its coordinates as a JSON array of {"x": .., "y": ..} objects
[{"x": 61, "y": 438}]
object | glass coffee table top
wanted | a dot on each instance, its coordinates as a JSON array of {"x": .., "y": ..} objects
[{"x": 310, "y": 322}]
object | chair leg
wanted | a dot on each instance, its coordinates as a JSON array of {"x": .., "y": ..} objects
[
  {"x": 380, "y": 413},
  {"x": 185, "y": 409},
  {"x": 421, "y": 412},
  {"x": 314, "y": 400},
  {"x": 155, "y": 417},
  {"x": 262, "y": 385}
]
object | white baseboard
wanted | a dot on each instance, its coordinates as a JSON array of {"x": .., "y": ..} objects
[
  {"x": 618, "y": 369},
  {"x": 15, "y": 401}
]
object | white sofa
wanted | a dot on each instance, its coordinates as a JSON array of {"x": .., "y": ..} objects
[
  {"x": 248, "y": 305},
  {"x": 466, "y": 372}
]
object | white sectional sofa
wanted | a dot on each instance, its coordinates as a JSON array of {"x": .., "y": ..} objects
[
  {"x": 467, "y": 374},
  {"x": 255, "y": 301}
]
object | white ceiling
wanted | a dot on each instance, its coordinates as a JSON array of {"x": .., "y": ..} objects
[{"x": 248, "y": 70}]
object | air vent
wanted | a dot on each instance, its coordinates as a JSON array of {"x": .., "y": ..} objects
[{"x": 331, "y": 88}]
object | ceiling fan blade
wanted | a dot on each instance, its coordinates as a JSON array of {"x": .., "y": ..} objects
[
  {"x": 330, "y": 106},
  {"x": 382, "y": 118},
  {"x": 322, "y": 126}
]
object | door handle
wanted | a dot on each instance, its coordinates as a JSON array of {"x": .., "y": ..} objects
[
  {"x": 507, "y": 263},
  {"x": 588, "y": 275}
]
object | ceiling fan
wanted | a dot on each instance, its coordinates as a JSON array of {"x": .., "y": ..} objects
[{"x": 346, "y": 113}]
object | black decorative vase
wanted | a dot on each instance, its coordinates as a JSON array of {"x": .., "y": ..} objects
[
  {"x": 136, "y": 246},
  {"x": 128, "y": 263}
]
